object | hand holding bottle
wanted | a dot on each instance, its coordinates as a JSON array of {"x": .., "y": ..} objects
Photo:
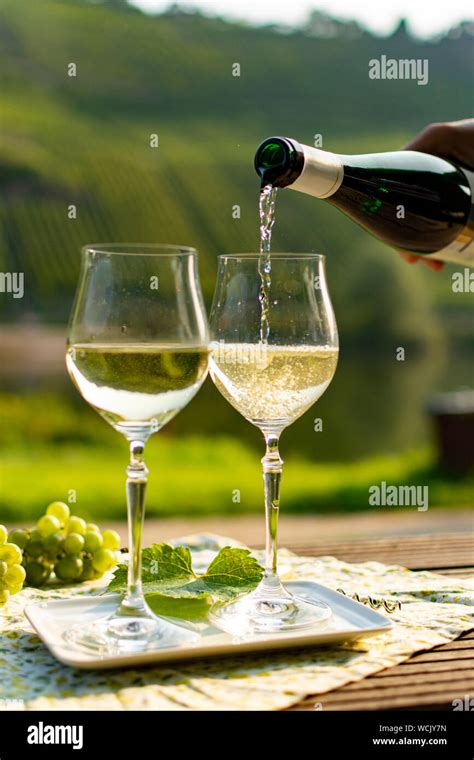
[{"x": 453, "y": 140}]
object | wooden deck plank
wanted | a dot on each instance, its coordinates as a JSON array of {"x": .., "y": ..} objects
[
  {"x": 432, "y": 701},
  {"x": 453, "y": 645},
  {"x": 403, "y": 544},
  {"x": 455, "y": 557},
  {"x": 411, "y": 667},
  {"x": 455, "y": 550},
  {"x": 411, "y": 694},
  {"x": 458, "y": 572},
  {"x": 457, "y": 654},
  {"x": 405, "y": 680}
]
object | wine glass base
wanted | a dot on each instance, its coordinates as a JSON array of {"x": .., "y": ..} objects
[
  {"x": 125, "y": 635},
  {"x": 258, "y": 613}
]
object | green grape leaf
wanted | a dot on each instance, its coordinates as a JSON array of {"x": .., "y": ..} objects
[
  {"x": 118, "y": 581},
  {"x": 193, "y": 608},
  {"x": 232, "y": 572},
  {"x": 164, "y": 562},
  {"x": 171, "y": 586},
  {"x": 161, "y": 564}
]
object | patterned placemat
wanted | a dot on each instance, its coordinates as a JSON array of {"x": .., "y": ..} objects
[{"x": 435, "y": 609}]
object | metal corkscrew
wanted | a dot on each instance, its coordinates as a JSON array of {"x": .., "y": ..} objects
[{"x": 388, "y": 605}]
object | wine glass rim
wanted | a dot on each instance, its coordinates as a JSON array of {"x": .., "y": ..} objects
[
  {"x": 276, "y": 255},
  {"x": 142, "y": 249}
]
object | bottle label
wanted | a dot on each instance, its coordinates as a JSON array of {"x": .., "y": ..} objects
[
  {"x": 322, "y": 173},
  {"x": 461, "y": 250}
]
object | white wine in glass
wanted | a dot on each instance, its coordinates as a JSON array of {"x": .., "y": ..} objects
[
  {"x": 272, "y": 383},
  {"x": 138, "y": 353},
  {"x": 127, "y": 383},
  {"x": 277, "y": 388}
]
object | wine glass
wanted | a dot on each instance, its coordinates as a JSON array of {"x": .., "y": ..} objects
[
  {"x": 137, "y": 353},
  {"x": 271, "y": 383}
]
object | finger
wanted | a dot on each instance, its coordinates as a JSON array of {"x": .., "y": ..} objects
[
  {"x": 434, "y": 139},
  {"x": 410, "y": 257},
  {"x": 436, "y": 266}
]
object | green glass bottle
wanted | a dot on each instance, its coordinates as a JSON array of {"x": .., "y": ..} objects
[{"x": 411, "y": 201}]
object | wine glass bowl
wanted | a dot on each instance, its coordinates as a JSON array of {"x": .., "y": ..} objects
[
  {"x": 137, "y": 352},
  {"x": 272, "y": 383}
]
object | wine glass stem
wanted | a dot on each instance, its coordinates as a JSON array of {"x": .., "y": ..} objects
[
  {"x": 272, "y": 469},
  {"x": 134, "y": 602}
]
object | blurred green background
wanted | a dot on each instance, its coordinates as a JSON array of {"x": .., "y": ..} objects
[{"x": 85, "y": 140}]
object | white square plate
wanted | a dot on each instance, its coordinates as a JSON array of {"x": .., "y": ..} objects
[{"x": 350, "y": 620}]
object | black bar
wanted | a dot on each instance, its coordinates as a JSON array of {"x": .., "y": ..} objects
[{"x": 305, "y": 734}]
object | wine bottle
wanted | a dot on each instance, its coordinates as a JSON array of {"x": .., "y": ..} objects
[{"x": 412, "y": 201}]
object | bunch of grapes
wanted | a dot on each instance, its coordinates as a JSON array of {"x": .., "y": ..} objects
[
  {"x": 75, "y": 550},
  {"x": 12, "y": 574}
]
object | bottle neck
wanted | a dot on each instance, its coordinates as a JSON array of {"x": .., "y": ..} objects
[
  {"x": 279, "y": 161},
  {"x": 283, "y": 162}
]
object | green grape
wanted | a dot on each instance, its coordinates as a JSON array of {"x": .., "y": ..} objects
[
  {"x": 34, "y": 548},
  {"x": 76, "y": 525},
  {"x": 11, "y": 554},
  {"x": 15, "y": 589},
  {"x": 60, "y": 510},
  {"x": 53, "y": 544},
  {"x": 77, "y": 550},
  {"x": 47, "y": 525},
  {"x": 69, "y": 568},
  {"x": 103, "y": 560},
  {"x": 92, "y": 542},
  {"x": 74, "y": 543},
  {"x": 88, "y": 572},
  {"x": 4, "y": 594},
  {"x": 111, "y": 539},
  {"x": 19, "y": 537},
  {"x": 37, "y": 573},
  {"x": 15, "y": 576}
]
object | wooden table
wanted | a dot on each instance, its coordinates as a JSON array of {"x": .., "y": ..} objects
[{"x": 428, "y": 680}]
